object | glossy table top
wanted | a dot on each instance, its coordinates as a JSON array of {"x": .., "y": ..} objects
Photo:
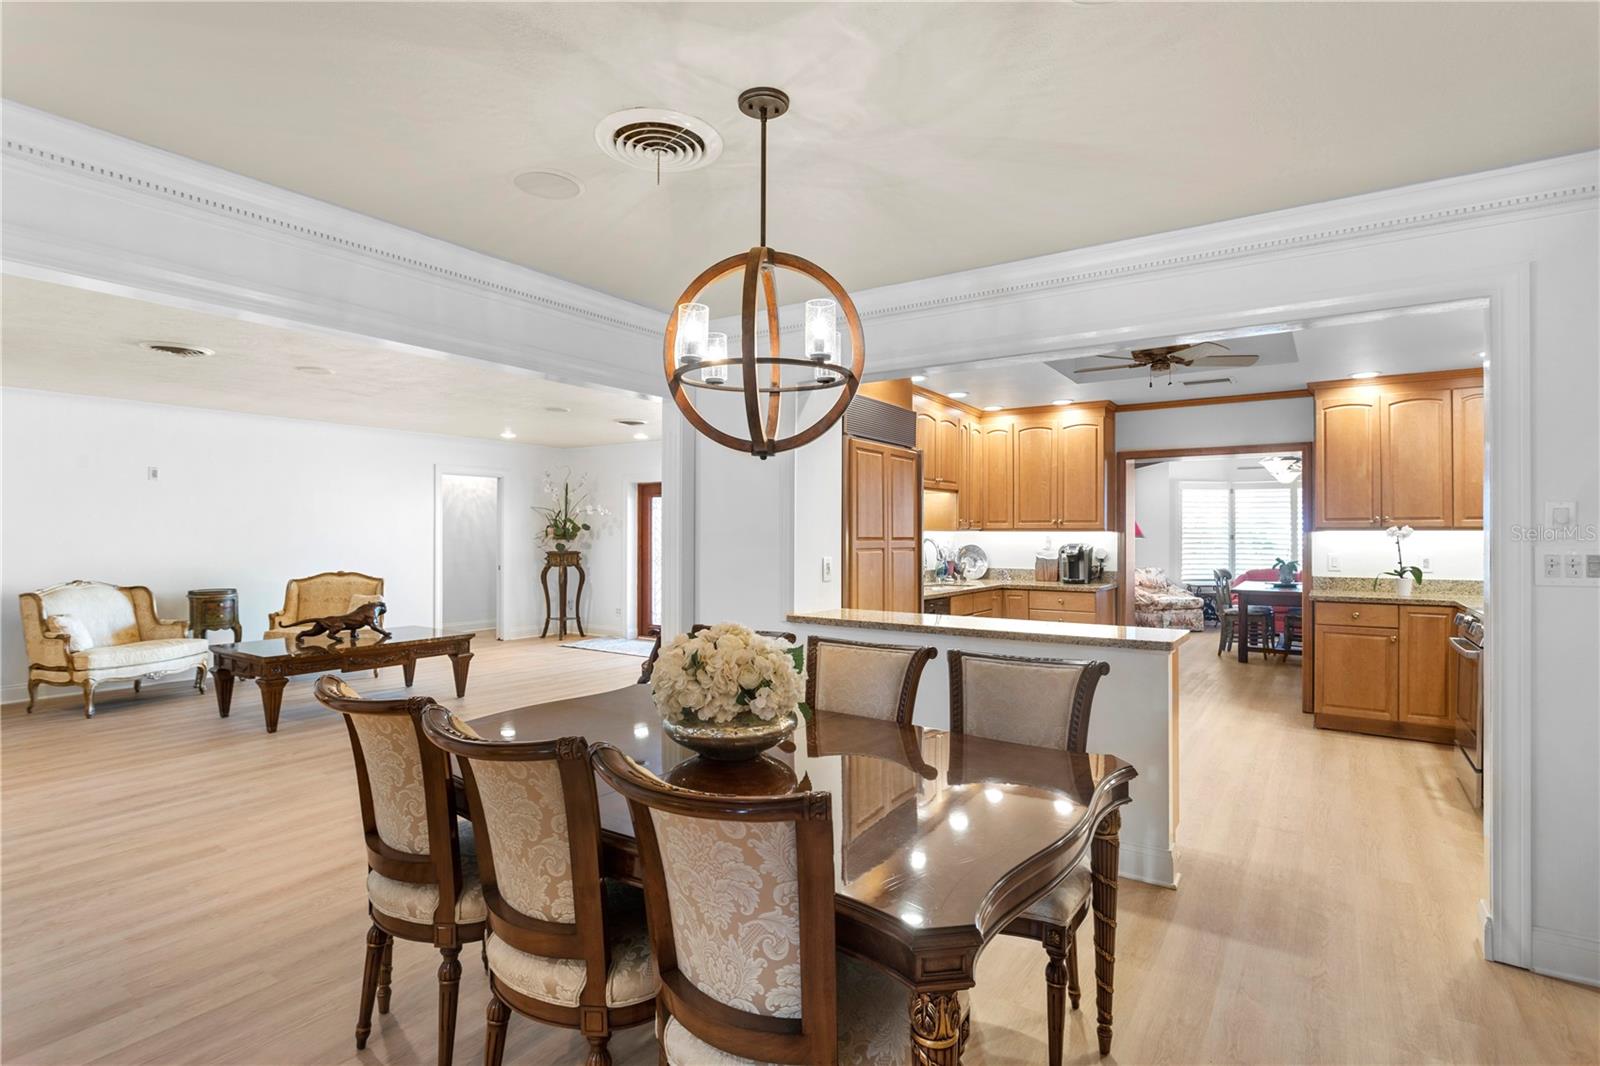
[
  {"x": 934, "y": 830},
  {"x": 365, "y": 639}
]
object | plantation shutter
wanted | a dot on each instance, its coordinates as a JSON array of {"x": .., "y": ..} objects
[
  {"x": 1206, "y": 542},
  {"x": 1266, "y": 525}
]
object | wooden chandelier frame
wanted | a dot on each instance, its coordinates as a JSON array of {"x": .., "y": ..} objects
[{"x": 759, "y": 265}]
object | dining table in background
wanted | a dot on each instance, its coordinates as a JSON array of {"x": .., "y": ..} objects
[
  {"x": 939, "y": 839},
  {"x": 1265, "y": 594}
]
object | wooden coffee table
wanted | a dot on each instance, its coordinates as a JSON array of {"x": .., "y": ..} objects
[{"x": 272, "y": 662}]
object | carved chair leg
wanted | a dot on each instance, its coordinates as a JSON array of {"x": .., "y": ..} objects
[
  {"x": 88, "y": 698},
  {"x": 33, "y": 694},
  {"x": 385, "y": 969},
  {"x": 369, "y": 984},
  {"x": 200, "y": 679},
  {"x": 494, "y": 1043},
  {"x": 483, "y": 949},
  {"x": 1055, "y": 989},
  {"x": 1104, "y": 852},
  {"x": 1074, "y": 993},
  {"x": 449, "y": 987},
  {"x": 598, "y": 1053}
]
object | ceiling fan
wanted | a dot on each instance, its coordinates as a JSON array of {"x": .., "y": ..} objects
[{"x": 1162, "y": 360}]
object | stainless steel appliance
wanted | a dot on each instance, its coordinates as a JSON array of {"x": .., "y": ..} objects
[
  {"x": 1075, "y": 564},
  {"x": 1466, "y": 698}
]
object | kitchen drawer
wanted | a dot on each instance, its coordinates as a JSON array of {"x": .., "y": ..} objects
[
  {"x": 1037, "y": 614},
  {"x": 1379, "y": 615},
  {"x": 1081, "y": 602}
]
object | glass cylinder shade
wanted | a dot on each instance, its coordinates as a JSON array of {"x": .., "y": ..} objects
[
  {"x": 716, "y": 348},
  {"x": 822, "y": 330},
  {"x": 824, "y": 375},
  {"x": 694, "y": 322}
]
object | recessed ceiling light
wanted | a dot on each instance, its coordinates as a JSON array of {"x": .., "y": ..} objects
[
  {"x": 992, "y": 407},
  {"x": 1483, "y": 355},
  {"x": 630, "y": 421},
  {"x": 918, "y": 379},
  {"x": 320, "y": 370},
  {"x": 507, "y": 434},
  {"x": 558, "y": 410},
  {"x": 958, "y": 395},
  {"x": 1362, "y": 375},
  {"x": 182, "y": 351},
  {"x": 548, "y": 184},
  {"x": 1061, "y": 403},
  {"x": 641, "y": 436}
]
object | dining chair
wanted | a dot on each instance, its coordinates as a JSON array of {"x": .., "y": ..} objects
[
  {"x": 1260, "y": 622},
  {"x": 867, "y": 680},
  {"x": 1044, "y": 703},
  {"x": 1293, "y": 634},
  {"x": 422, "y": 873},
  {"x": 740, "y": 895},
  {"x": 565, "y": 946},
  {"x": 655, "y": 650}
]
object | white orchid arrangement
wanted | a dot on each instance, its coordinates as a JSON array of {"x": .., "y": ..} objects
[
  {"x": 572, "y": 513},
  {"x": 1399, "y": 533},
  {"x": 723, "y": 672}
]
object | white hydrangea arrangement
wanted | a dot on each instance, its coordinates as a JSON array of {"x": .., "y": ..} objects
[{"x": 725, "y": 671}]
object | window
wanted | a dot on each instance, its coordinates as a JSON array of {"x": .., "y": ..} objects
[{"x": 1239, "y": 527}]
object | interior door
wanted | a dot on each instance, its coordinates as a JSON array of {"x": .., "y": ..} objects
[
  {"x": 883, "y": 527},
  {"x": 649, "y": 559}
]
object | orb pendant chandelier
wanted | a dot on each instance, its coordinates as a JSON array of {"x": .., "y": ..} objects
[{"x": 696, "y": 359}]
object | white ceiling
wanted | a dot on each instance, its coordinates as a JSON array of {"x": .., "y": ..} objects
[
  {"x": 924, "y": 138},
  {"x": 1403, "y": 340},
  {"x": 74, "y": 340}
]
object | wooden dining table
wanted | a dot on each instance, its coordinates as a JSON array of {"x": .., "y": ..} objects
[
  {"x": 1265, "y": 594},
  {"x": 940, "y": 840}
]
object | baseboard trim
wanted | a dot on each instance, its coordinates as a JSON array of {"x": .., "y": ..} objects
[
  {"x": 1153, "y": 866},
  {"x": 1565, "y": 955}
]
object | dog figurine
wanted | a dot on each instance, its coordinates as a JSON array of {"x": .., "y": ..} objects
[{"x": 364, "y": 617}]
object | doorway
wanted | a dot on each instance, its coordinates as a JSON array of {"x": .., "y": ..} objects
[
  {"x": 649, "y": 559},
  {"x": 468, "y": 593}
]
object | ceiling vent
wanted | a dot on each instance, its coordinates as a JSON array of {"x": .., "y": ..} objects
[
  {"x": 1207, "y": 381},
  {"x": 182, "y": 351},
  {"x": 648, "y": 138},
  {"x": 630, "y": 421}
]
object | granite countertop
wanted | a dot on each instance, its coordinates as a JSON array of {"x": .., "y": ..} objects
[
  {"x": 1137, "y": 638},
  {"x": 934, "y": 592},
  {"x": 1471, "y": 602}
]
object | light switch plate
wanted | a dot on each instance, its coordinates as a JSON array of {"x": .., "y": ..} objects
[
  {"x": 827, "y": 568},
  {"x": 1560, "y": 514},
  {"x": 1333, "y": 563}
]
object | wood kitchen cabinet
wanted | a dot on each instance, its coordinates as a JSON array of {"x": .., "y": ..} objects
[
  {"x": 1014, "y": 603},
  {"x": 1402, "y": 451},
  {"x": 998, "y": 479},
  {"x": 1383, "y": 668},
  {"x": 1088, "y": 606},
  {"x": 970, "y": 505},
  {"x": 1037, "y": 473},
  {"x": 1083, "y": 451},
  {"x": 939, "y": 439},
  {"x": 985, "y": 603},
  {"x": 883, "y": 527}
]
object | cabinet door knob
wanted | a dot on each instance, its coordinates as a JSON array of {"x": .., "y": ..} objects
[
  {"x": 1355, "y": 614},
  {"x": 1394, "y": 640}
]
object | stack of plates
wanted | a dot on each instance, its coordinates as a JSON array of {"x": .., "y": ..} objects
[{"x": 971, "y": 562}]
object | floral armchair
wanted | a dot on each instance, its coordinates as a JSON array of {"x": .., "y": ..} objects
[
  {"x": 1162, "y": 605},
  {"x": 322, "y": 595},
  {"x": 84, "y": 633}
]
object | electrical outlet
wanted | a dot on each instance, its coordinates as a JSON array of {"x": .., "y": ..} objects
[
  {"x": 151, "y": 473},
  {"x": 1574, "y": 564},
  {"x": 1552, "y": 564},
  {"x": 827, "y": 568},
  {"x": 1427, "y": 564},
  {"x": 617, "y": 611},
  {"x": 1333, "y": 564}
]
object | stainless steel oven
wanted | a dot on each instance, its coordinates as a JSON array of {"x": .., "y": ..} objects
[{"x": 1466, "y": 698}]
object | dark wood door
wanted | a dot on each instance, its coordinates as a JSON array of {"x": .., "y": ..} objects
[{"x": 649, "y": 559}]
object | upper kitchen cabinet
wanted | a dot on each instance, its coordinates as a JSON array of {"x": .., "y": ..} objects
[
  {"x": 998, "y": 475},
  {"x": 939, "y": 439},
  {"x": 972, "y": 478},
  {"x": 1083, "y": 448},
  {"x": 1038, "y": 473},
  {"x": 1395, "y": 452}
]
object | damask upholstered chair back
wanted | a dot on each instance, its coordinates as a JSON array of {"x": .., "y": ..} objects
[
  {"x": 869, "y": 680},
  {"x": 407, "y": 813},
  {"x": 322, "y": 595},
  {"x": 740, "y": 899},
  {"x": 1041, "y": 702}
]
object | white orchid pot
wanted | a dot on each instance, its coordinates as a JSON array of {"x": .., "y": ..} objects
[{"x": 1404, "y": 585}]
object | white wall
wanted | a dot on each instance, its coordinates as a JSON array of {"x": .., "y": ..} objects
[
  {"x": 1290, "y": 421},
  {"x": 1153, "y": 510},
  {"x": 611, "y": 561},
  {"x": 241, "y": 501},
  {"x": 470, "y": 531},
  {"x": 1447, "y": 554}
]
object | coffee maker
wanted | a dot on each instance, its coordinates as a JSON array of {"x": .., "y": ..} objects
[{"x": 1075, "y": 564}]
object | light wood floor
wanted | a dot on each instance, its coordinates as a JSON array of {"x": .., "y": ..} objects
[{"x": 179, "y": 888}]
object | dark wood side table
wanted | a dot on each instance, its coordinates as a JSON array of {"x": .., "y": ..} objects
[
  {"x": 214, "y": 609},
  {"x": 563, "y": 561},
  {"x": 271, "y": 663}
]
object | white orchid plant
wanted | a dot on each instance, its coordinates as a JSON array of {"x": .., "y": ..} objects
[
  {"x": 572, "y": 513},
  {"x": 1399, "y": 533},
  {"x": 723, "y": 673}
]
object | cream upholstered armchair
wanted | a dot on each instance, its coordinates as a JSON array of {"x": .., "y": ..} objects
[
  {"x": 85, "y": 633},
  {"x": 319, "y": 596}
]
